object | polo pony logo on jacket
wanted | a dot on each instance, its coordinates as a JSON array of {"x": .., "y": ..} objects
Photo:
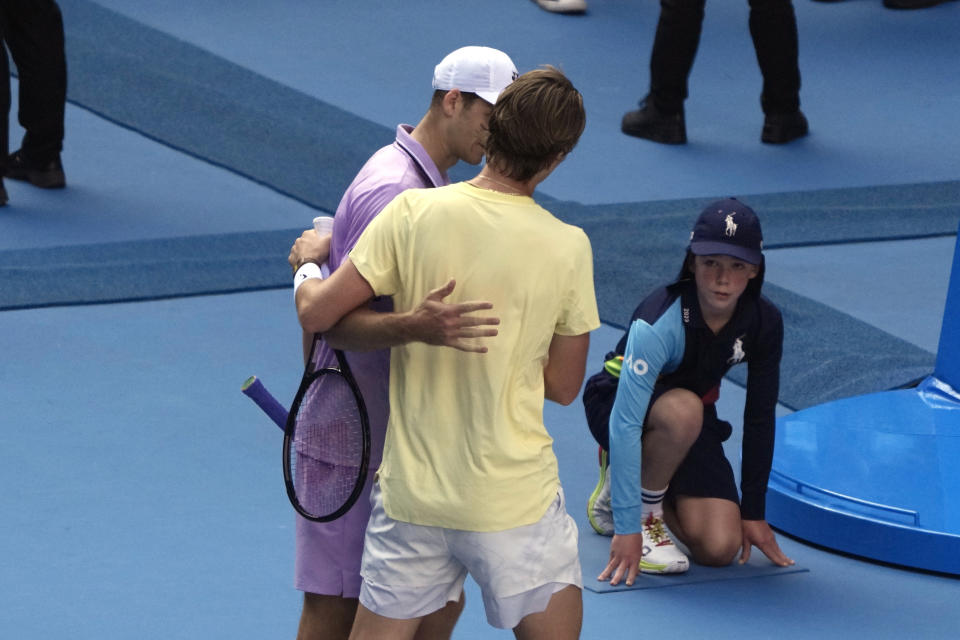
[
  {"x": 731, "y": 229},
  {"x": 738, "y": 352}
]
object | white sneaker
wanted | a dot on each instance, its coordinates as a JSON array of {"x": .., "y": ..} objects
[
  {"x": 599, "y": 511},
  {"x": 563, "y": 6},
  {"x": 660, "y": 554}
]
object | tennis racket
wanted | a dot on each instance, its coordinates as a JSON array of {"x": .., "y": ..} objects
[
  {"x": 326, "y": 443},
  {"x": 254, "y": 389},
  {"x": 326, "y": 456}
]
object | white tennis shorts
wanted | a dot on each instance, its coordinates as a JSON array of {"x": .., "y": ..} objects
[{"x": 412, "y": 570}]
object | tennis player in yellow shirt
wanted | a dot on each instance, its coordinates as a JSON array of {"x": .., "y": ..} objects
[{"x": 469, "y": 480}]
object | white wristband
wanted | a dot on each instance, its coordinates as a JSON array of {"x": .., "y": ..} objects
[{"x": 305, "y": 272}]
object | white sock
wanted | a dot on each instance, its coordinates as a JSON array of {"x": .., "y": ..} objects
[{"x": 652, "y": 502}]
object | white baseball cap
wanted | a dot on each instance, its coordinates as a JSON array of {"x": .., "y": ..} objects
[{"x": 480, "y": 70}]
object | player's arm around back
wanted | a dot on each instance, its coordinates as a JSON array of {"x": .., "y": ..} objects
[
  {"x": 433, "y": 322},
  {"x": 322, "y": 302},
  {"x": 566, "y": 367}
]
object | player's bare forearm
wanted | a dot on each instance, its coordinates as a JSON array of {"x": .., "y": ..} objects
[
  {"x": 433, "y": 322},
  {"x": 321, "y": 303},
  {"x": 367, "y": 330}
]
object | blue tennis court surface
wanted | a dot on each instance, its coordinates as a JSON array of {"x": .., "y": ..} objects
[{"x": 142, "y": 492}]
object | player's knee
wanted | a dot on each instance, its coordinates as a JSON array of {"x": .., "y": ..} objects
[
  {"x": 717, "y": 551},
  {"x": 689, "y": 429},
  {"x": 680, "y": 412}
]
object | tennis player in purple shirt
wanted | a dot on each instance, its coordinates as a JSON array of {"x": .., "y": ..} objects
[{"x": 466, "y": 84}]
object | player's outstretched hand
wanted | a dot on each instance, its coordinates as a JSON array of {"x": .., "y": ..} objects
[
  {"x": 446, "y": 324},
  {"x": 757, "y": 533},
  {"x": 309, "y": 247},
  {"x": 626, "y": 551}
]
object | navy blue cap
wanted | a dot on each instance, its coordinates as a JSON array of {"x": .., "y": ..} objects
[{"x": 730, "y": 228}]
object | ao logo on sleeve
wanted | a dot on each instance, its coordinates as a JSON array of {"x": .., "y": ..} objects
[{"x": 638, "y": 365}]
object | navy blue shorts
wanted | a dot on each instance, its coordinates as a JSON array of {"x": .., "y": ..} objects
[{"x": 706, "y": 472}]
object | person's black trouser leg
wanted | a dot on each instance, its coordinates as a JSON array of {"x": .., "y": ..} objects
[
  {"x": 674, "y": 49},
  {"x": 34, "y": 35},
  {"x": 773, "y": 26},
  {"x": 4, "y": 96}
]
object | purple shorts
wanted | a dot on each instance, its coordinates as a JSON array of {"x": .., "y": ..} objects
[{"x": 328, "y": 553}]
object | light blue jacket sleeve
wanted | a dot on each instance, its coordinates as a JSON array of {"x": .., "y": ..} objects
[{"x": 651, "y": 350}]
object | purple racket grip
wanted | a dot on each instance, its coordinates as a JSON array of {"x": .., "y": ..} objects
[{"x": 255, "y": 390}]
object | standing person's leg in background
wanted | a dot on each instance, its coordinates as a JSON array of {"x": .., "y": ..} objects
[
  {"x": 4, "y": 105},
  {"x": 660, "y": 117},
  {"x": 33, "y": 32},
  {"x": 773, "y": 27}
]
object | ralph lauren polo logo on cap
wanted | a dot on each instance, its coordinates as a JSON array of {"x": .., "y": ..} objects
[{"x": 731, "y": 229}]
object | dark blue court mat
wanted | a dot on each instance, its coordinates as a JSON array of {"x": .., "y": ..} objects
[{"x": 595, "y": 552}]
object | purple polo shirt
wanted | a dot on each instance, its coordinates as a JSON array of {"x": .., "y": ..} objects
[{"x": 391, "y": 170}]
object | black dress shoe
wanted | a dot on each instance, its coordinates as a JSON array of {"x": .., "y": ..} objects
[
  {"x": 780, "y": 128},
  {"x": 3, "y": 194},
  {"x": 650, "y": 123},
  {"x": 46, "y": 175}
]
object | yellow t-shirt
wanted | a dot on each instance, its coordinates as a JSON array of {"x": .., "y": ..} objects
[{"x": 466, "y": 446}]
